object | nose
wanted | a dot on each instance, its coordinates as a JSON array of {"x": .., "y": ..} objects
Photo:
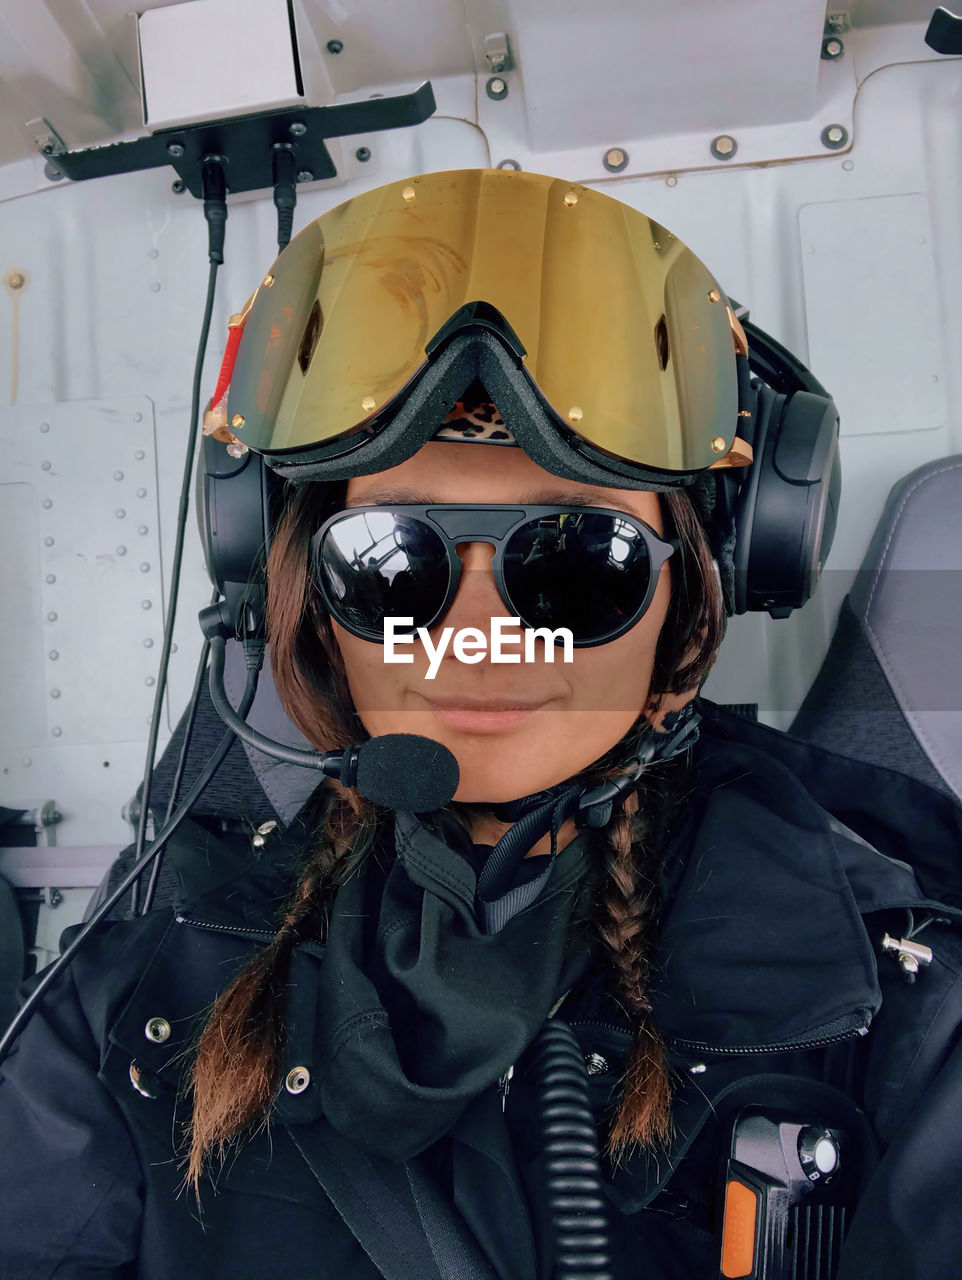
[{"x": 477, "y": 600}]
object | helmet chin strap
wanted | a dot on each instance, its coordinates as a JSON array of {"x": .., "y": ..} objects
[{"x": 545, "y": 811}]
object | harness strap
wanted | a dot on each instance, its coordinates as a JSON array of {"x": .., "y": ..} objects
[{"x": 394, "y": 1211}]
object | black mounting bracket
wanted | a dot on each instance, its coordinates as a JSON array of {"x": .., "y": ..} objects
[
  {"x": 247, "y": 143},
  {"x": 944, "y": 34}
]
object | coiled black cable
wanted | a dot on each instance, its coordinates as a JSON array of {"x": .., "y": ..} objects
[{"x": 576, "y": 1198}]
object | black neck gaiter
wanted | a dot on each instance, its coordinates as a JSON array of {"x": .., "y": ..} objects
[{"x": 420, "y": 1010}]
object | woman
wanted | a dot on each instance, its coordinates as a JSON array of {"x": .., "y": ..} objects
[{"x": 330, "y": 1061}]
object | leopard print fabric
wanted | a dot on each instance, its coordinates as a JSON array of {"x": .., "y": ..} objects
[{"x": 474, "y": 418}]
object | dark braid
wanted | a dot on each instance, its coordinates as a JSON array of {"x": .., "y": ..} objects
[
  {"x": 234, "y": 1073},
  {"x": 627, "y": 907}
]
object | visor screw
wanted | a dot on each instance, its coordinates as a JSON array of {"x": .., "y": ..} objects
[
  {"x": 368, "y": 403},
  {"x": 615, "y": 160},
  {"x": 175, "y": 150},
  {"x": 724, "y": 147},
  {"x": 714, "y": 295},
  {"x": 363, "y": 154},
  {"x": 832, "y": 49},
  {"x": 335, "y": 46},
  {"x": 571, "y": 198},
  {"x": 718, "y": 444},
  {"x": 297, "y": 129},
  {"x": 575, "y": 413},
  {"x": 305, "y": 175},
  {"x": 834, "y": 136},
  {"x": 237, "y": 421},
  {"x": 267, "y": 281},
  {"x": 496, "y": 88},
  {"x": 408, "y": 194}
]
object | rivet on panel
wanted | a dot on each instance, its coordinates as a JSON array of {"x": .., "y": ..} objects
[
  {"x": 297, "y": 129},
  {"x": 142, "y": 529},
  {"x": 55, "y": 693},
  {"x": 53, "y": 655},
  {"x": 26, "y": 762},
  {"x": 141, "y": 493},
  {"x": 47, "y": 504},
  {"x": 51, "y": 616},
  {"x": 140, "y": 455},
  {"x": 150, "y": 682},
  {"x": 145, "y": 567},
  {"x": 45, "y": 466},
  {"x": 45, "y": 427},
  {"x": 121, "y": 551},
  {"x": 148, "y": 643},
  {"x": 834, "y": 136},
  {"x": 155, "y": 286},
  {"x": 173, "y": 648},
  {"x": 724, "y": 146},
  {"x": 139, "y": 417},
  {"x": 153, "y": 253},
  {"x": 48, "y": 542},
  {"x": 118, "y": 475},
  {"x": 120, "y": 513},
  {"x": 56, "y": 731},
  {"x": 145, "y": 604},
  {"x": 51, "y": 579}
]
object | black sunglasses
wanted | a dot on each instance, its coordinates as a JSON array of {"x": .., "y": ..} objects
[{"x": 588, "y": 569}]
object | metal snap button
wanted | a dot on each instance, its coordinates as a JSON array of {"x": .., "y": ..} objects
[
  {"x": 142, "y": 1081},
  {"x": 297, "y": 1080},
  {"x": 595, "y": 1064},
  {"x": 157, "y": 1030}
]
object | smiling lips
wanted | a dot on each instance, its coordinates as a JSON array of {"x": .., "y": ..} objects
[{"x": 473, "y": 715}]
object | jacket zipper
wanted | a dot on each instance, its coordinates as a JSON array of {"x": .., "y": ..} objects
[
  {"x": 260, "y": 934},
  {"x": 698, "y": 1046}
]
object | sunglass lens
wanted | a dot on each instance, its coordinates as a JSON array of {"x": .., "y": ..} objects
[
  {"x": 588, "y": 572},
  {"x": 379, "y": 564}
]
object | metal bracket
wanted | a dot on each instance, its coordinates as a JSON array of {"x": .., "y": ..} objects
[
  {"x": 247, "y": 142},
  {"x": 944, "y": 33},
  {"x": 497, "y": 52}
]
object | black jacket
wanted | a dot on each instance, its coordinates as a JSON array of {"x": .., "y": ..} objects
[{"x": 788, "y": 868}]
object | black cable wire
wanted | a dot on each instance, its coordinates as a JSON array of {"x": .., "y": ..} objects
[
  {"x": 182, "y": 513},
  {"x": 285, "y": 192},
  {"x": 168, "y": 829},
  {"x": 192, "y": 708}
]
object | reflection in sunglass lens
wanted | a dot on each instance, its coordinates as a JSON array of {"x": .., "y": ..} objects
[
  {"x": 379, "y": 564},
  {"x": 579, "y": 570}
]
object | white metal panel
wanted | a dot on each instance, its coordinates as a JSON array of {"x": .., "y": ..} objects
[{"x": 877, "y": 255}]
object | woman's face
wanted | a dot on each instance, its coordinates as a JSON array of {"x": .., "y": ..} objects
[{"x": 514, "y": 729}]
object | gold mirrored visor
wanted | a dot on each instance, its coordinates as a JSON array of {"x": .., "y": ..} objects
[{"x": 626, "y": 334}]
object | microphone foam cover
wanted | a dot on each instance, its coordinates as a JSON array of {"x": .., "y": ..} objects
[{"x": 407, "y": 772}]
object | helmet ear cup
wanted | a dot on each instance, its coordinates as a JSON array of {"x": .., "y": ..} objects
[
  {"x": 233, "y": 499},
  {"x": 786, "y": 509}
]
